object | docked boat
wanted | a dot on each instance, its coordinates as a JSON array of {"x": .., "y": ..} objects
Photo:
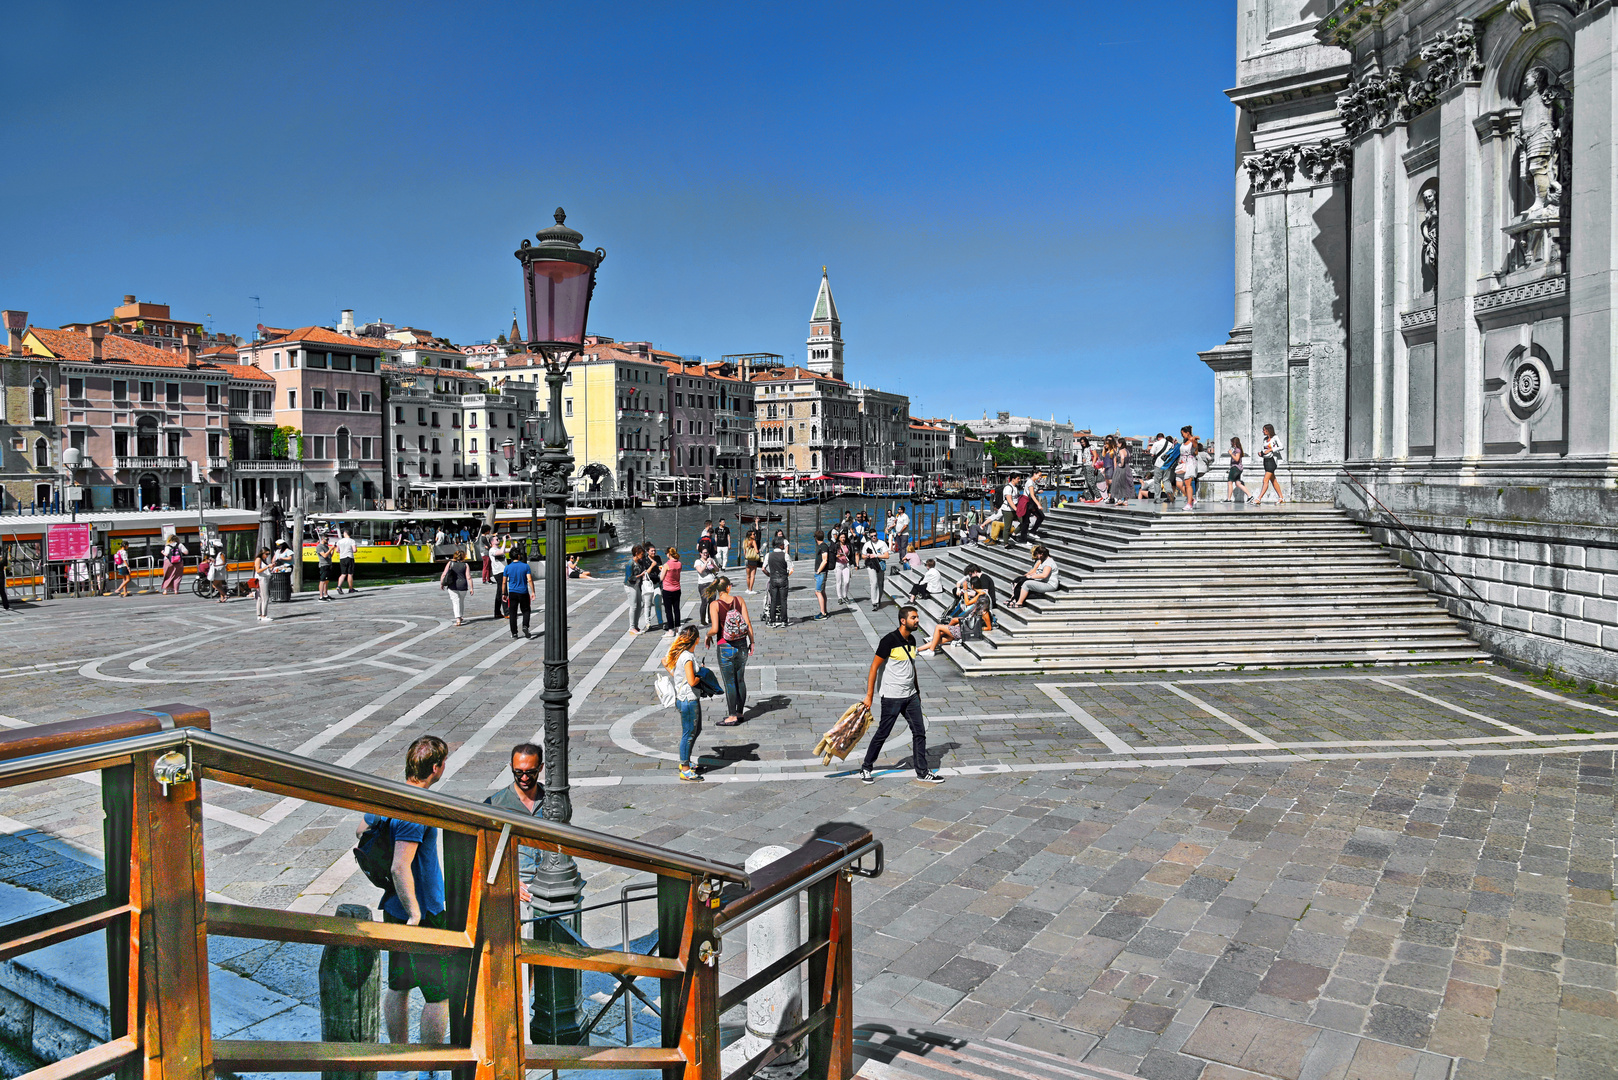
[{"x": 400, "y": 539}]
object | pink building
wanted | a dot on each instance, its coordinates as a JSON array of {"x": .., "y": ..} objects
[
  {"x": 328, "y": 390},
  {"x": 139, "y": 417}
]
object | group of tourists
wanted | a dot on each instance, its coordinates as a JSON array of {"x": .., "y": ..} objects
[{"x": 1174, "y": 469}]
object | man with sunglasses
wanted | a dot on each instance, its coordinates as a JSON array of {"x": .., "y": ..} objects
[{"x": 523, "y": 796}]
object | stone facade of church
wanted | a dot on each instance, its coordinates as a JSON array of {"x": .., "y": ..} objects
[{"x": 1426, "y": 207}]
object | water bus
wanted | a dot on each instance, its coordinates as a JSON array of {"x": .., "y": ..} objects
[{"x": 400, "y": 539}]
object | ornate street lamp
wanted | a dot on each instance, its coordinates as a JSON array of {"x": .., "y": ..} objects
[{"x": 558, "y": 278}]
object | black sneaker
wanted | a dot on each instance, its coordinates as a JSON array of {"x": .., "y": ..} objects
[
  {"x": 929, "y": 778},
  {"x": 866, "y": 777}
]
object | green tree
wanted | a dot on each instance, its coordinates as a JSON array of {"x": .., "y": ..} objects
[{"x": 286, "y": 444}]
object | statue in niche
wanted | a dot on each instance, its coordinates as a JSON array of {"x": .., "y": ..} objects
[
  {"x": 1429, "y": 238},
  {"x": 1540, "y": 134}
]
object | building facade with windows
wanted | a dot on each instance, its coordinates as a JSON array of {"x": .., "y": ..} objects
[
  {"x": 617, "y": 418},
  {"x": 140, "y": 416},
  {"x": 329, "y": 392},
  {"x": 152, "y": 324},
  {"x": 711, "y": 424},
  {"x": 884, "y": 431},
  {"x": 806, "y": 424},
  {"x": 1053, "y": 439},
  {"x": 28, "y": 430}
]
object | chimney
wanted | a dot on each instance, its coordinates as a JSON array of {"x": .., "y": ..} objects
[
  {"x": 346, "y": 324},
  {"x": 190, "y": 343},
  {"x": 96, "y": 334},
  {"x": 16, "y": 326},
  {"x": 129, "y": 298}
]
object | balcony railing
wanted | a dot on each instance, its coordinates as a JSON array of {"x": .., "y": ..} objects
[
  {"x": 152, "y": 765},
  {"x": 266, "y": 465},
  {"x": 216, "y": 462},
  {"x": 152, "y": 463}
]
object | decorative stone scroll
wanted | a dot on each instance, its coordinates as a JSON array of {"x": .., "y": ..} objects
[{"x": 1326, "y": 161}]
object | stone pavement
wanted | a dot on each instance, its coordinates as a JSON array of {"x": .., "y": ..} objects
[{"x": 1293, "y": 874}]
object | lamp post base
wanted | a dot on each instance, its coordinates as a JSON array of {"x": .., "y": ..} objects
[{"x": 558, "y": 992}]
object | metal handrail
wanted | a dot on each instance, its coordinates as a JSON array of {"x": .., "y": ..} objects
[
  {"x": 395, "y": 798},
  {"x": 1413, "y": 536}
]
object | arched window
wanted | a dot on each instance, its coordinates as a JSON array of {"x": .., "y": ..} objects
[
  {"x": 814, "y": 461},
  {"x": 42, "y": 399},
  {"x": 42, "y": 454},
  {"x": 342, "y": 444},
  {"x": 146, "y": 437}
]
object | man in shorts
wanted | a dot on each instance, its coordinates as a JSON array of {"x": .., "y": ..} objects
[
  {"x": 417, "y": 900},
  {"x": 346, "y": 547},
  {"x": 823, "y": 563},
  {"x": 324, "y": 551}
]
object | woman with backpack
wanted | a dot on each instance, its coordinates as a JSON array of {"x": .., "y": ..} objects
[
  {"x": 681, "y": 663},
  {"x": 730, "y": 622},
  {"x": 1270, "y": 453},
  {"x": 457, "y": 581}
]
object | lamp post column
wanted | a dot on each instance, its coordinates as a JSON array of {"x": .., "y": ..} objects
[{"x": 557, "y": 886}]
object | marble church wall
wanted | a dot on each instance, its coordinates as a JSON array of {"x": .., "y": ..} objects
[{"x": 1426, "y": 295}]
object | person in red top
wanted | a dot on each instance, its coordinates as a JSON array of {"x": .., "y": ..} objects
[{"x": 671, "y": 591}]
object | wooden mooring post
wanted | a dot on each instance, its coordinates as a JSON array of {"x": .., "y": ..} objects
[{"x": 350, "y": 993}]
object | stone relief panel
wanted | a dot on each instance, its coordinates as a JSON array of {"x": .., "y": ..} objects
[
  {"x": 1323, "y": 162},
  {"x": 1379, "y": 98},
  {"x": 1423, "y": 361},
  {"x": 1524, "y": 389}
]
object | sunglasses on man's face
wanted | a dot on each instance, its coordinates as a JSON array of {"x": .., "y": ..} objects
[{"x": 524, "y": 772}]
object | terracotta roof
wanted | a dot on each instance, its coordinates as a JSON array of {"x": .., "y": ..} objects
[
  {"x": 244, "y": 371},
  {"x": 319, "y": 335},
  {"x": 68, "y": 345},
  {"x": 794, "y": 374},
  {"x": 699, "y": 371},
  {"x": 216, "y": 351}
]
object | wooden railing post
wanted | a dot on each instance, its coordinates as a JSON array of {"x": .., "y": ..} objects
[
  {"x": 831, "y": 978},
  {"x": 498, "y": 1029},
  {"x": 173, "y": 926},
  {"x": 123, "y": 885}
]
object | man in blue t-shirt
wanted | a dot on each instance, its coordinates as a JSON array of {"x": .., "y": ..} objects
[
  {"x": 416, "y": 900},
  {"x": 519, "y": 589}
]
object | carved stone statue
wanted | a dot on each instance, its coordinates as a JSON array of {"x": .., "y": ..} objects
[
  {"x": 1429, "y": 236},
  {"x": 1540, "y": 135}
]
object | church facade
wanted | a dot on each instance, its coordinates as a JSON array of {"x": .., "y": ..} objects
[{"x": 1426, "y": 296}]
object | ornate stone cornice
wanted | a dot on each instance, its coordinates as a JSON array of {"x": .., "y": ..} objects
[
  {"x": 1416, "y": 320},
  {"x": 1350, "y": 17},
  {"x": 1544, "y": 289},
  {"x": 1323, "y": 162},
  {"x": 1379, "y": 98}
]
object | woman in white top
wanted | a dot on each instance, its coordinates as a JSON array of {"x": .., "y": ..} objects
[
  {"x": 216, "y": 573},
  {"x": 707, "y": 570},
  {"x": 1270, "y": 453},
  {"x": 1043, "y": 578},
  {"x": 681, "y": 663},
  {"x": 262, "y": 562}
]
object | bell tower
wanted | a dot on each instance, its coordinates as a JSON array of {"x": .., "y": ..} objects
[{"x": 825, "y": 345}]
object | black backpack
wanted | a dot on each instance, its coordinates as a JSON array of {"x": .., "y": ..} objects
[
  {"x": 374, "y": 853},
  {"x": 972, "y": 624}
]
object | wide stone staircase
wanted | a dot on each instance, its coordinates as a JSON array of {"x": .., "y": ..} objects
[{"x": 1210, "y": 590}]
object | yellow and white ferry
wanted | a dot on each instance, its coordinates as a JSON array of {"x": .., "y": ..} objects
[{"x": 400, "y": 539}]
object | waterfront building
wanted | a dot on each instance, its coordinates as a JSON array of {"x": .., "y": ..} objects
[
  {"x": 328, "y": 403},
  {"x": 1425, "y": 279},
  {"x": 1055, "y": 440},
  {"x": 807, "y": 424},
  {"x": 883, "y": 421},
  {"x": 139, "y": 417},
  {"x": 711, "y": 423},
  {"x": 152, "y": 324}
]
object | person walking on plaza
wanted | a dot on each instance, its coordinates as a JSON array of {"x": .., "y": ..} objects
[
  {"x": 681, "y": 663},
  {"x": 120, "y": 568},
  {"x": 778, "y": 571},
  {"x": 634, "y": 575},
  {"x": 263, "y": 564},
  {"x": 217, "y": 573},
  {"x": 895, "y": 663},
  {"x": 1270, "y": 452},
  {"x": 669, "y": 576},
  {"x": 1186, "y": 468},
  {"x": 1009, "y": 494},
  {"x": 1165, "y": 456},
  {"x": 751, "y": 556},
  {"x": 823, "y": 565},
  {"x": 498, "y": 547},
  {"x": 1034, "y": 520},
  {"x": 875, "y": 555},
  {"x": 1233, "y": 479},
  {"x": 324, "y": 551},
  {"x": 1122, "y": 484},
  {"x": 347, "y": 546},
  {"x": 721, "y": 539},
  {"x": 732, "y": 625},
  {"x": 417, "y": 899},
  {"x": 519, "y": 590},
  {"x": 480, "y": 549},
  {"x": 844, "y": 560},
  {"x": 899, "y": 532},
  {"x": 457, "y": 581},
  {"x": 654, "y": 570},
  {"x": 174, "y": 554},
  {"x": 707, "y": 570}
]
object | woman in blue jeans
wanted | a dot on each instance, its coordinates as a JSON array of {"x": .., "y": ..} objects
[
  {"x": 735, "y": 646},
  {"x": 682, "y": 667}
]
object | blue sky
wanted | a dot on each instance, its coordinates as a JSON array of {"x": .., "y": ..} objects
[{"x": 1023, "y": 206}]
